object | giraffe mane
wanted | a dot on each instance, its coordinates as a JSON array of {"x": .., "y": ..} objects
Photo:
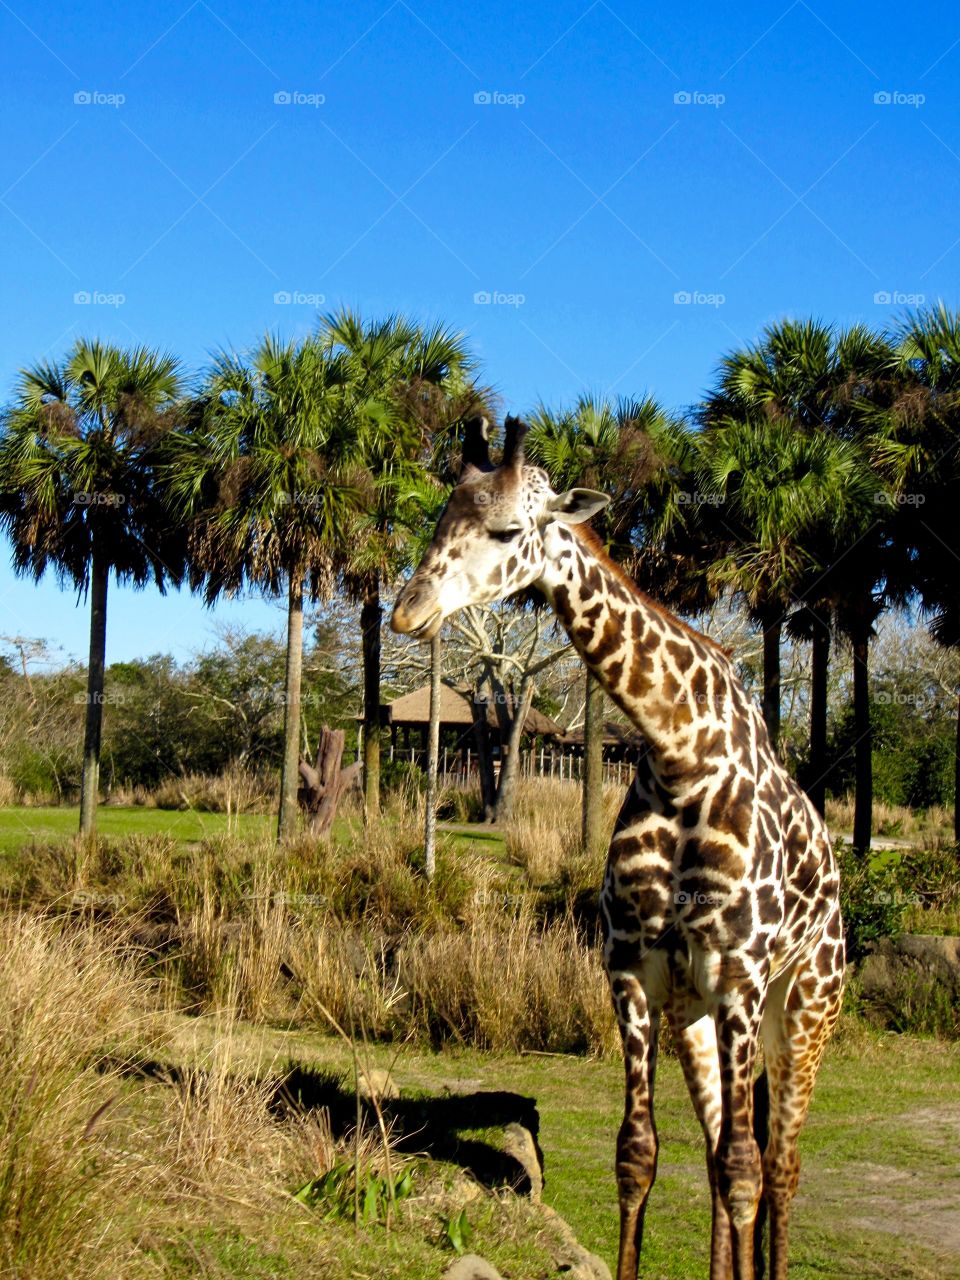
[{"x": 590, "y": 538}]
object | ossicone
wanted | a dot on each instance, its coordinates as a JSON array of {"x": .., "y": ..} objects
[
  {"x": 476, "y": 444},
  {"x": 514, "y": 434}
]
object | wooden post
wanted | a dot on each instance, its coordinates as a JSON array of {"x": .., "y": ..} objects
[{"x": 433, "y": 750}]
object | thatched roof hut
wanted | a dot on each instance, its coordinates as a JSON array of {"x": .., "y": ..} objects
[{"x": 412, "y": 710}]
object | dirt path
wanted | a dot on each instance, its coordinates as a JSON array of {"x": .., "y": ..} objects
[{"x": 919, "y": 1201}]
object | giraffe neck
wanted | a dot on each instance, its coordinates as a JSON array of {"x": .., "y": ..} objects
[{"x": 674, "y": 684}]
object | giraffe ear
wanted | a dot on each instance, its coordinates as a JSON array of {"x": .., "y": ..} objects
[{"x": 577, "y": 505}]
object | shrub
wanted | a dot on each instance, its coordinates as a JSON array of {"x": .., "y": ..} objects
[
  {"x": 871, "y": 901},
  {"x": 930, "y": 880}
]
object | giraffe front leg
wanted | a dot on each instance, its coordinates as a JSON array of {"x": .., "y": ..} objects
[
  {"x": 696, "y": 1046},
  {"x": 637, "y": 1139},
  {"x": 739, "y": 1173}
]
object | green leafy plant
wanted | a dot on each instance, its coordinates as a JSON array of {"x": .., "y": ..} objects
[
  {"x": 338, "y": 1190},
  {"x": 872, "y": 901},
  {"x": 457, "y": 1232}
]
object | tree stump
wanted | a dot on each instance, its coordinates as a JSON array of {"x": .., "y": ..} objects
[{"x": 322, "y": 785}]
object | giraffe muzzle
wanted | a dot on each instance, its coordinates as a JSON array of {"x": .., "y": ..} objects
[{"x": 416, "y": 613}]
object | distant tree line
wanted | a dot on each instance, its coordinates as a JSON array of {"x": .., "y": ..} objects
[
  {"x": 221, "y": 711},
  {"x": 817, "y": 484}
]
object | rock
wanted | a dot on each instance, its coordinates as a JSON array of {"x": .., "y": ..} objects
[
  {"x": 377, "y": 1083},
  {"x": 519, "y": 1144},
  {"x": 898, "y": 966},
  {"x": 471, "y": 1267},
  {"x": 572, "y": 1259}
]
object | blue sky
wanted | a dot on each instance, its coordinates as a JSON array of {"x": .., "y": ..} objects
[{"x": 585, "y": 166}]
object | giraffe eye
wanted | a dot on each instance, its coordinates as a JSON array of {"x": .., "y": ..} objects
[{"x": 505, "y": 535}]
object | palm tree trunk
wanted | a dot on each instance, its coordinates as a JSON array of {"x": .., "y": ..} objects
[
  {"x": 290, "y": 773},
  {"x": 592, "y": 764},
  {"x": 772, "y": 622},
  {"x": 433, "y": 754},
  {"x": 819, "y": 670},
  {"x": 863, "y": 750},
  {"x": 90, "y": 785},
  {"x": 510, "y": 756},
  {"x": 371, "y": 618}
]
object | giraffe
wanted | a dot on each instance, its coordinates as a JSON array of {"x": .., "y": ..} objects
[{"x": 719, "y": 904}]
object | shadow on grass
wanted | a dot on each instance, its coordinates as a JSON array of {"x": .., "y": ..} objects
[{"x": 444, "y": 1127}]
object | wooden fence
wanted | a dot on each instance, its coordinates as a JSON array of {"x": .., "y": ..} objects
[{"x": 460, "y": 769}]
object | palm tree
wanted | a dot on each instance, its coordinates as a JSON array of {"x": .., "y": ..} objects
[
  {"x": 920, "y": 453},
  {"x": 784, "y": 503},
  {"x": 262, "y": 476},
  {"x": 80, "y": 493},
  {"x": 395, "y": 371},
  {"x": 822, "y": 381},
  {"x": 596, "y": 443}
]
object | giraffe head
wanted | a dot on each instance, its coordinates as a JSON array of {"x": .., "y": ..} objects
[{"x": 491, "y": 539}]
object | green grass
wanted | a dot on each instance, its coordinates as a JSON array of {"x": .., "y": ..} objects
[
  {"x": 881, "y": 1179},
  {"x": 21, "y": 825}
]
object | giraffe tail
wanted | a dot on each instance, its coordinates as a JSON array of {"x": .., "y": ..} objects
[{"x": 761, "y": 1132}]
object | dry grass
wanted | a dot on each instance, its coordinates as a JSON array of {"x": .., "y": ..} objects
[
  {"x": 234, "y": 791},
  {"x": 64, "y": 1002},
  {"x": 544, "y": 836},
  {"x": 933, "y": 825},
  {"x": 493, "y": 954},
  {"x": 350, "y": 928},
  {"x": 102, "y": 1174},
  {"x": 507, "y": 982},
  {"x": 105, "y": 1173}
]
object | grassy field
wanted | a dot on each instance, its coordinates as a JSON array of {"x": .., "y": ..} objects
[
  {"x": 880, "y": 1191},
  {"x": 20, "y": 824},
  {"x": 24, "y": 824},
  {"x": 160, "y": 984}
]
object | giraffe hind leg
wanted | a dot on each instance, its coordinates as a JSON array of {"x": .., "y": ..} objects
[{"x": 802, "y": 1007}]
